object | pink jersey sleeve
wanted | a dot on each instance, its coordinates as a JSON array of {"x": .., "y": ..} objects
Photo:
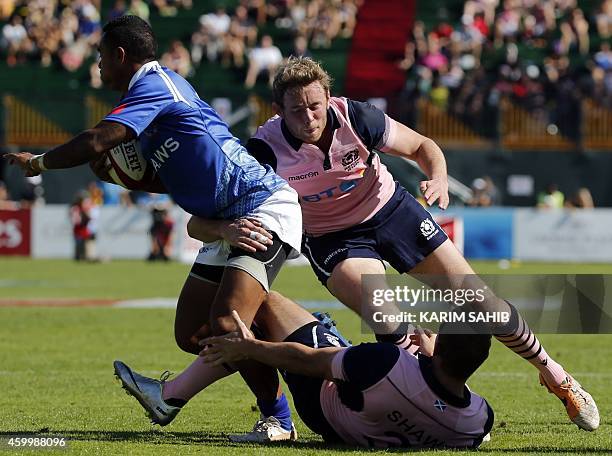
[
  {"x": 337, "y": 369},
  {"x": 390, "y": 134}
]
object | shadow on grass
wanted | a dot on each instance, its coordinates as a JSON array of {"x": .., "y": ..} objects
[{"x": 157, "y": 437}]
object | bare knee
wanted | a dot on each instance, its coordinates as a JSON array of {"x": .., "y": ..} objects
[
  {"x": 189, "y": 342},
  {"x": 223, "y": 325}
]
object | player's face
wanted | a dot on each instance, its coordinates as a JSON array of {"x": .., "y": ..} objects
[
  {"x": 109, "y": 65},
  {"x": 304, "y": 111}
]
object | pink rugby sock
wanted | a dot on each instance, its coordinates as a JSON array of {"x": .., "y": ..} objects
[{"x": 519, "y": 338}]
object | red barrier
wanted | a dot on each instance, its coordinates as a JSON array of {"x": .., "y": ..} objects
[
  {"x": 15, "y": 232},
  {"x": 453, "y": 227}
]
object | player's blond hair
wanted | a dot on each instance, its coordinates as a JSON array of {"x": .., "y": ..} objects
[{"x": 298, "y": 72}]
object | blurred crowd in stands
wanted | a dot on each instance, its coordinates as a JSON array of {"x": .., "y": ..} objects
[
  {"x": 545, "y": 55},
  {"x": 45, "y": 30},
  {"x": 67, "y": 32},
  {"x": 231, "y": 38},
  {"x": 535, "y": 52}
]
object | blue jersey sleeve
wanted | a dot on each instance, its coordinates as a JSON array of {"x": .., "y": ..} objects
[
  {"x": 142, "y": 103},
  {"x": 369, "y": 122},
  {"x": 366, "y": 364}
]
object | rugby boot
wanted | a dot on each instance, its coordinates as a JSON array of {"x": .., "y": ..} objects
[
  {"x": 579, "y": 404},
  {"x": 266, "y": 430},
  {"x": 147, "y": 391}
]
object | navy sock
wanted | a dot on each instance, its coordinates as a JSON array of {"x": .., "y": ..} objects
[{"x": 278, "y": 408}]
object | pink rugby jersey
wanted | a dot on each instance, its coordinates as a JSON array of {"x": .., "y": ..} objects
[
  {"x": 386, "y": 397},
  {"x": 340, "y": 189}
]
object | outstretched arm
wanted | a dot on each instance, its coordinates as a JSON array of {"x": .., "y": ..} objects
[
  {"x": 289, "y": 356},
  {"x": 81, "y": 149}
]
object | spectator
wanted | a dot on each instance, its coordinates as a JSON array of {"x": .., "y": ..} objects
[
  {"x": 5, "y": 202},
  {"x": 347, "y": 15},
  {"x": 6, "y": 9},
  {"x": 265, "y": 58},
  {"x": 209, "y": 38},
  {"x": 603, "y": 57},
  {"x": 507, "y": 22},
  {"x": 603, "y": 20},
  {"x": 15, "y": 40},
  {"x": 139, "y": 8},
  {"x": 439, "y": 94},
  {"x": 177, "y": 59},
  {"x": 582, "y": 199},
  {"x": 242, "y": 33},
  {"x": 161, "y": 234},
  {"x": 551, "y": 198},
  {"x": 326, "y": 27},
  {"x": 435, "y": 60},
  {"x": 119, "y": 9},
  {"x": 300, "y": 47},
  {"x": 83, "y": 226}
]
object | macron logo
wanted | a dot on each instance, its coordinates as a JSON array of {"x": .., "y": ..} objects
[{"x": 300, "y": 177}]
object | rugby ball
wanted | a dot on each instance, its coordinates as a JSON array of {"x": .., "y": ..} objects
[{"x": 128, "y": 166}]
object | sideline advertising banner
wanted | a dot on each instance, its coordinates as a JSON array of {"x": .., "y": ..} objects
[
  {"x": 15, "y": 232},
  {"x": 563, "y": 235}
]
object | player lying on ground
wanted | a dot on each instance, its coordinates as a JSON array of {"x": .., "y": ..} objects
[
  {"x": 373, "y": 395},
  {"x": 207, "y": 172},
  {"x": 355, "y": 215}
]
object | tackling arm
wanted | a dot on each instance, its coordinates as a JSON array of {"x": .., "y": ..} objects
[
  {"x": 289, "y": 356},
  {"x": 294, "y": 357},
  {"x": 246, "y": 233}
]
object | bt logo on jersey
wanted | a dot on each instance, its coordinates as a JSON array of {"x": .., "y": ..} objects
[{"x": 336, "y": 190}]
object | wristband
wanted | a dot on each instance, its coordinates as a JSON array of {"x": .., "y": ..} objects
[{"x": 39, "y": 159}]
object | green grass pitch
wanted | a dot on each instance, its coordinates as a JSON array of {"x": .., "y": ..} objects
[{"x": 56, "y": 368}]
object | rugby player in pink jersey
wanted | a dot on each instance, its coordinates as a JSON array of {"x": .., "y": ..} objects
[
  {"x": 355, "y": 217},
  {"x": 372, "y": 395}
]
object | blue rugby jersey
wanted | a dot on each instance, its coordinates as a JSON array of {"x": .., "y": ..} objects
[{"x": 204, "y": 168}]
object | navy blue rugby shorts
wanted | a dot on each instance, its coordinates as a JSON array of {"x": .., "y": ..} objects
[
  {"x": 306, "y": 390},
  {"x": 402, "y": 232}
]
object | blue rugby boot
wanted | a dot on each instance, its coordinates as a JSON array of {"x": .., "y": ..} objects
[{"x": 330, "y": 324}]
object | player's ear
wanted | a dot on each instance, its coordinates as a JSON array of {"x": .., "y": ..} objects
[
  {"x": 121, "y": 55},
  {"x": 277, "y": 109}
]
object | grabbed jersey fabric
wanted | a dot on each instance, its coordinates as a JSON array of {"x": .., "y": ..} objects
[{"x": 204, "y": 168}]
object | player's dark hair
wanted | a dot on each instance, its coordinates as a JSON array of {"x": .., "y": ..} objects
[
  {"x": 461, "y": 349},
  {"x": 134, "y": 35}
]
